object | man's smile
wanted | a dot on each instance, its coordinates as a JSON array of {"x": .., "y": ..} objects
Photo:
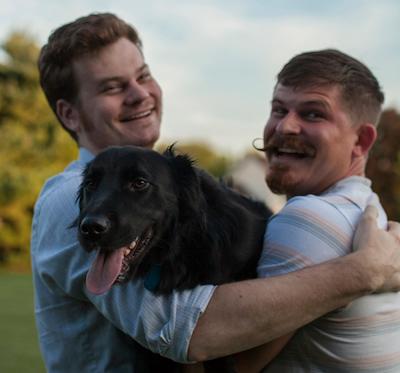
[
  {"x": 291, "y": 149},
  {"x": 139, "y": 115}
]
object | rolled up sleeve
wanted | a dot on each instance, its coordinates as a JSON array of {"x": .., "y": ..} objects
[{"x": 162, "y": 323}]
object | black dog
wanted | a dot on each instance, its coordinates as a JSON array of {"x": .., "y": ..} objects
[{"x": 158, "y": 217}]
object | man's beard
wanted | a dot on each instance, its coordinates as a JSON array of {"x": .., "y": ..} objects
[
  {"x": 279, "y": 180},
  {"x": 278, "y": 177}
]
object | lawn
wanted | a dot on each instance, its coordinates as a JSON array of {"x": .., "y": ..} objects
[{"x": 19, "y": 350}]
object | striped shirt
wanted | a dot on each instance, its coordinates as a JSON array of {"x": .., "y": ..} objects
[{"x": 364, "y": 336}]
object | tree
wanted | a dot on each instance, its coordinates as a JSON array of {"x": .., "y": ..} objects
[
  {"x": 32, "y": 145},
  {"x": 383, "y": 166},
  {"x": 204, "y": 156}
]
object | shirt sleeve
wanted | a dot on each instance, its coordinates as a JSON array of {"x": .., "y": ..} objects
[
  {"x": 307, "y": 231},
  {"x": 164, "y": 324}
]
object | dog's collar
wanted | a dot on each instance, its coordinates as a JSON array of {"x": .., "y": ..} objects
[{"x": 152, "y": 278}]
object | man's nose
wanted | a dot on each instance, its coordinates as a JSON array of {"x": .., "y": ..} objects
[
  {"x": 136, "y": 93},
  {"x": 289, "y": 124}
]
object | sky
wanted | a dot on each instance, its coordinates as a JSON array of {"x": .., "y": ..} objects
[{"x": 217, "y": 60}]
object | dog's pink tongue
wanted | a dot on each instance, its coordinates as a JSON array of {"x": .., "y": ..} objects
[{"x": 104, "y": 271}]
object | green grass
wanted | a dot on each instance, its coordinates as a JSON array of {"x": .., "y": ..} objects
[{"x": 19, "y": 349}]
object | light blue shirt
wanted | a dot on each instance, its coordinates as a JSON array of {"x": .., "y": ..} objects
[{"x": 82, "y": 332}]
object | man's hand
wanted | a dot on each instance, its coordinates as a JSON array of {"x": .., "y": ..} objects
[{"x": 380, "y": 250}]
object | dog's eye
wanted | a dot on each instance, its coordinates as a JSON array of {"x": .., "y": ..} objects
[
  {"x": 138, "y": 184},
  {"x": 90, "y": 185}
]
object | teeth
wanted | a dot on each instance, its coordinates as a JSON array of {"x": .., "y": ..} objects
[
  {"x": 286, "y": 150},
  {"x": 121, "y": 277},
  {"x": 131, "y": 252},
  {"x": 141, "y": 115},
  {"x": 133, "y": 243}
]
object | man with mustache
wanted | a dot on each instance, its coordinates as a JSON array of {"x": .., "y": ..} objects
[
  {"x": 324, "y": 113},
  {"x": 98, "y": 84}
]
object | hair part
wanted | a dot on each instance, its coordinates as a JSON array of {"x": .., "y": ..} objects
[
  {"x": 360, "y": 90},
  {"x": 68, "y": 43}
]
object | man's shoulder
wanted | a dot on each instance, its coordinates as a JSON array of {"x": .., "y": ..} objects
[
  {"x": 60, "y": 190},
  {"x": 351, "y": 193},
  {"x": 340, "y": 205},
  {"x": 320, "y": 204},
  {"x": 326, "y": 212}
]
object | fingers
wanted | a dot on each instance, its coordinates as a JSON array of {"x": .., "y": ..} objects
[
  {"x": 363, "y": 237},
  {"x": 371, "y": 212},
  {"x": 381, "y": 249},
  {"x": 368, "y": 221},
  {"x": 394, "y": 228}
]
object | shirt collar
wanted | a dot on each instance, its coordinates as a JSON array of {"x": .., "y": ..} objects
[{"x": 85, "y": 155}]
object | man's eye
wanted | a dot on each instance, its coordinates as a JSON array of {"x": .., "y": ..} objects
[
  {"x": 112, "y": 88},
  {"x": 138, "y": 184},
  {"x": 278, "y": 111},
  {"x": 313, "y": 115},
  {"x": 144, "y": 76}
]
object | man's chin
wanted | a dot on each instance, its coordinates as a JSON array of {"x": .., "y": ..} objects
[
  {"x": 147, "y": 141},
  {"x": 281, "y": 184},
  {"x": 143, "y": 139}
]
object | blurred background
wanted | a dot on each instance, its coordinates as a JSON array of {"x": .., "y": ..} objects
[{"x": 216, "y": 62}]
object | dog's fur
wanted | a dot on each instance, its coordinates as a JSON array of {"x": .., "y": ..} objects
[{"x": 198, "y": 231}]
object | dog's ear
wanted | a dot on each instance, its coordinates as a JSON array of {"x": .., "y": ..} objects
[
  {"x": 182, "y": 167},
  {"x": 79, "y": 198},
  {"x": 80, "y": 195},
  {"x": 187, "y": 182},
  {"x": 182, "y": 164}
]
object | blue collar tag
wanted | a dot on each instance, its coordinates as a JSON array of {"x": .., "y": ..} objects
[{"x": 152, "y": 278}]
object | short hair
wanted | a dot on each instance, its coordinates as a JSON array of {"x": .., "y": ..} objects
[
  {"x": 71, "y": 41},
  {"x": 360, "y": 90}
]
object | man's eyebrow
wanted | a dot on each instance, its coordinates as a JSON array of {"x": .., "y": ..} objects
[
  {"x": 316, "y": 103},
  {"x": 276, "y": 101},
  {"x": 144, "y": 67},
  {"x": 309, "y": 102}
]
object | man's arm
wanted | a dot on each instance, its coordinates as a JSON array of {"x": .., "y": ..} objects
[
  {"x": 246, "y": 314},
  {"x": 257, "y": 358},
  {"x": 165, "y": 324},
  {"x": 319, "y": 232}
]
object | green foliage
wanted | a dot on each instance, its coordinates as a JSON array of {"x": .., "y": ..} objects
[
  {"x": 19, "y": 350},
  {"x": 384, "y": 163},
  {"x": 32, "y": 145},
  {"x": 204, "y": 156}
]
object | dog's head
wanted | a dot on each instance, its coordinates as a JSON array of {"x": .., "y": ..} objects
[{"x": 128, "y": 199}]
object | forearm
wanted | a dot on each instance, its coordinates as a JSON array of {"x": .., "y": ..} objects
[
  {"x": 246, "y": 314},
  {"x": 255, "y": 359}
]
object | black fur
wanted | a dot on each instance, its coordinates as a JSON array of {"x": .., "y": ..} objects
[{"x": 203, "y": 232}]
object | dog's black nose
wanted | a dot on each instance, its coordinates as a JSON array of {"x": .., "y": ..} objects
[{"x": 94, "y": 226}]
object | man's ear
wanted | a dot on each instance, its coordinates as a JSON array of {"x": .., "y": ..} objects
[
  {"x": 366, "y": 138},
  {"x": 68, "y": 114}
]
